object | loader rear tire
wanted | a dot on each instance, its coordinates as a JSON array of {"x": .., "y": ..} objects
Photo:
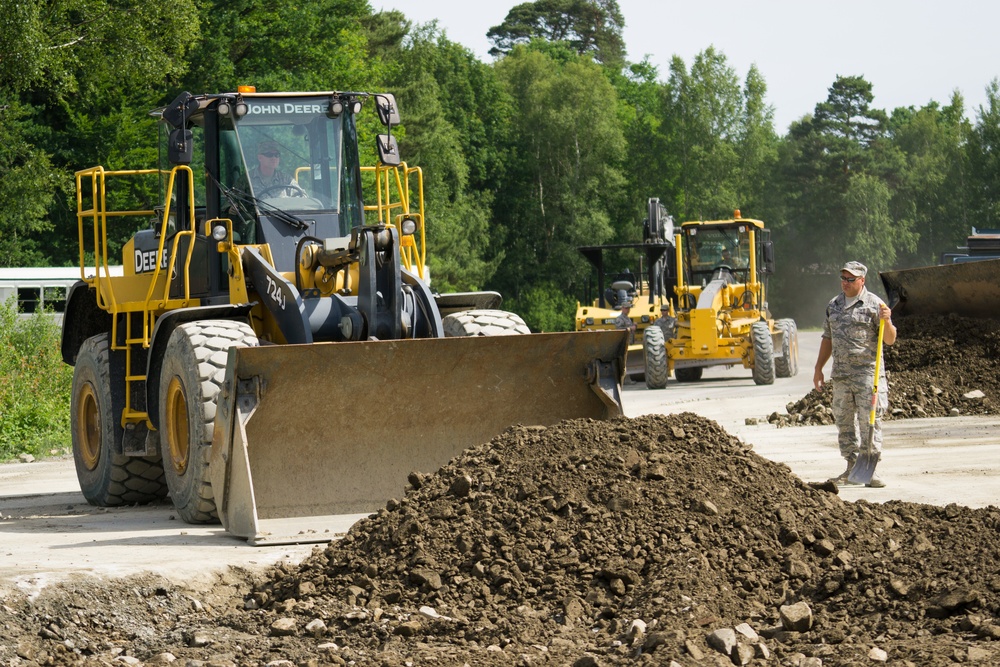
[
  {"x": 689, "y": 374},
  {"x": 484, "y": 323},
  {"x": 763, "y": 353},
  {"x": 787, "y": 365},
  {"x": 194, "y": 368},
  {"x": 655, "y": 353},
  {"x": 107, "y": 478}
]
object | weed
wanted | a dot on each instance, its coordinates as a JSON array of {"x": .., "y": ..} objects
[{"x": 35, "y": 387}]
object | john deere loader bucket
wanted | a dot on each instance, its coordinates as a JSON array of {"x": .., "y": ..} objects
[
  {"x": 969, "y": 289},
  {"x": 308, "y": 438}
]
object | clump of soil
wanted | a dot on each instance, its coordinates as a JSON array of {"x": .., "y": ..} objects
[
  {"x": 940, "y": 366},
  {"x": 648, "y": 540}
]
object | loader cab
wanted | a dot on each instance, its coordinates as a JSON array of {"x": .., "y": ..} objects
[{"x": 280, "y": 166}]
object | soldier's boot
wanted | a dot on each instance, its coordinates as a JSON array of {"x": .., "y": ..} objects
[
  {"x": 875, "y": 482},
  {"x": 842, "y": 478}
]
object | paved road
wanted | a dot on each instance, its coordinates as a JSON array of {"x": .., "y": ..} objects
[{"x": 48, "y": 532}]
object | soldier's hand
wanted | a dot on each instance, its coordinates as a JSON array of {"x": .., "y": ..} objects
[
  {"x": 818, "y": 379},
  {"x": 884, "y": 312}
]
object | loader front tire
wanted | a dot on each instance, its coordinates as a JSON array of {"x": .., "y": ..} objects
[
  {"x": 655, "y": 352},
  {"x": 763, "y": 353},
  {"x": 194, "y": 368},
  {"x": 483, "y": 323},
  {"x": 787, "y": 365},
  {"x": 107, "y": 477}
]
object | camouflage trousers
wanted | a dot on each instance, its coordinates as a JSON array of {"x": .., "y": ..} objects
[{"x": 852, "y": 405}]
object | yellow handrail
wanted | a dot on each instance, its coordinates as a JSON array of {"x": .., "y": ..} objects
[
  {"x": 98, "y": 215},
  {"x": 390, "y": 210}
]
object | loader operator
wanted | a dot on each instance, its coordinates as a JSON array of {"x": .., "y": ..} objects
[
  {"x": 850, "y": 336},
  {"x": 267, "y": 175},
  {"x": 264, "y": 180}
]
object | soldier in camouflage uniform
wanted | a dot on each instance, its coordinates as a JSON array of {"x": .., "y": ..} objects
[
  {"x": 666, "y": 322},
  {"x": 623, "y": 321},
  {"x": 850, "y": 336}
]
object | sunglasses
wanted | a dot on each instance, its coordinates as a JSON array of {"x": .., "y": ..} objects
[
  {"x": 271, "y": 154},
  {"x": 848, "y": 280}
]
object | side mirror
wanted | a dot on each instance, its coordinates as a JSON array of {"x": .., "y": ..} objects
[
  {"x": 177, "y": 111},
  {"x": 767, "y": 250},
  {"x": 388, "y": 150},
  {"x": 388, "y": 112},
  {"x": 180, "y": 146}
]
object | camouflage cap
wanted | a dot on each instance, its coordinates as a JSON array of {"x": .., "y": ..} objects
[
  {"x": 855, "y": 269},
  {"x": 268, "y": 147}
]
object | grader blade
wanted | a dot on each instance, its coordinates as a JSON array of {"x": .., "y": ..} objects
[
  {"x": 309, "y": 438},
  {"x": 969, "y": 289}
]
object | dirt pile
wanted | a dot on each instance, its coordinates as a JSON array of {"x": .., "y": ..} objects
[
  {"x": 939, "y": 366},
  {"x": 646, "y": 540}
]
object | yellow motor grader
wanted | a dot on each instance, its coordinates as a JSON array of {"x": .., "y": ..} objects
[
  {"x": 721, "y": 307},
  {"x": 274, "y": 355}
]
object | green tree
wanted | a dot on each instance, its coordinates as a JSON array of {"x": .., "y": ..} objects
[
  {"x": 757, "y": 147},
  {"x": 26, "y": 191},
  {"x": 315, "y": 45},
  {"x": 867, "y": 224},
  {"x": 984, "y": 161},
  {"x": 455, "y": 123},
  {"x": 719, "y": 136},
  {"x": 587, "y": 26},
  {"x": 845, "y": 138},
  {"x": 70, "y": 72},
  {"x": 933, "y": 193},
  {"x": 564, "y": 175}
]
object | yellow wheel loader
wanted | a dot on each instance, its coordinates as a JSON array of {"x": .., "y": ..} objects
[
  {"x": 965, "y": 283},
  {"x": 274, "y": 355},
  {"x": 721, "y": 307}
]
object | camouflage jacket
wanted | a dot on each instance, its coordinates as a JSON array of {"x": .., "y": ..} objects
[
  {"x": 668, "y": 324},
  {"x": 623, "y": 322},
  {"x": 853, "y": 330}
]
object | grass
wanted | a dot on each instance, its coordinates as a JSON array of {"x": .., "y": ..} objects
[{"x": 35, "y": 386}]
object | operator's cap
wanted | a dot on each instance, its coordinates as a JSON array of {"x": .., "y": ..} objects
[
  {"x": 856, "y": 269},
  {"x": 268, "y": 147},
  {"x": 665, "y": 307}
]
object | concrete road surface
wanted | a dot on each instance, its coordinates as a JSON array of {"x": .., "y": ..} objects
[
  {"x": 935, "y": 461},
  {"x": 48, "y": 532}
]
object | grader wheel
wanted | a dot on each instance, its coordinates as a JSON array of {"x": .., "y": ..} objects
[
  {"x": 763, "y": 353},
  {"x": 655, "y": 351},
  {"x": 787, "y": 365}
]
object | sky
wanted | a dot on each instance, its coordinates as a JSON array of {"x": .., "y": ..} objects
[{"x": 911, "y": 51}]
